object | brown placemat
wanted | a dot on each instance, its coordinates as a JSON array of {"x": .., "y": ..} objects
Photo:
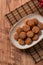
[
  {"x": 24, "y": 10},
  {"x": 28, "y": 8}
]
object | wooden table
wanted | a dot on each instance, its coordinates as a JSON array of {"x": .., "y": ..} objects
[{"x": 9, "y": 55}]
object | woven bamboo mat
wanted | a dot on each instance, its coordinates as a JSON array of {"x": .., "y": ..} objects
[{"x": 12, "y": 55}]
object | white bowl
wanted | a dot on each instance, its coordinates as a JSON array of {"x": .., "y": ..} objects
[{"x": 19, "y": 24}]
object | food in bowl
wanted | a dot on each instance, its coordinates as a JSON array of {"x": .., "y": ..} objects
[
  {"x": 30, "y": 23},
  {"x": 19, "y": 29},
  {"x": 28, "y": 41},
  {"x": 35, "y": 21},
  {"x": 40, "y": 25},
  {"x": 22, "y": 35},
  {"x": 21, "y": 41},
  {"x": 16, "y": 36},
  {"x": 28, "y": 32},
  {"x": 35, "y": 29},
  {"x": 35, "y": 37},
  {"x": 26, "y": 28}
]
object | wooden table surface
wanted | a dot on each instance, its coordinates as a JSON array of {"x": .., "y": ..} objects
[{"x": 9, "y": 55}]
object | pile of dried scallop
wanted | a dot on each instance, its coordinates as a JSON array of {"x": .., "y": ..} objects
[{"x": 29, "y": 32}]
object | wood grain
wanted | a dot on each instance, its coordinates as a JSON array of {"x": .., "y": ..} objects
[{"x": 9, "y": 54}]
